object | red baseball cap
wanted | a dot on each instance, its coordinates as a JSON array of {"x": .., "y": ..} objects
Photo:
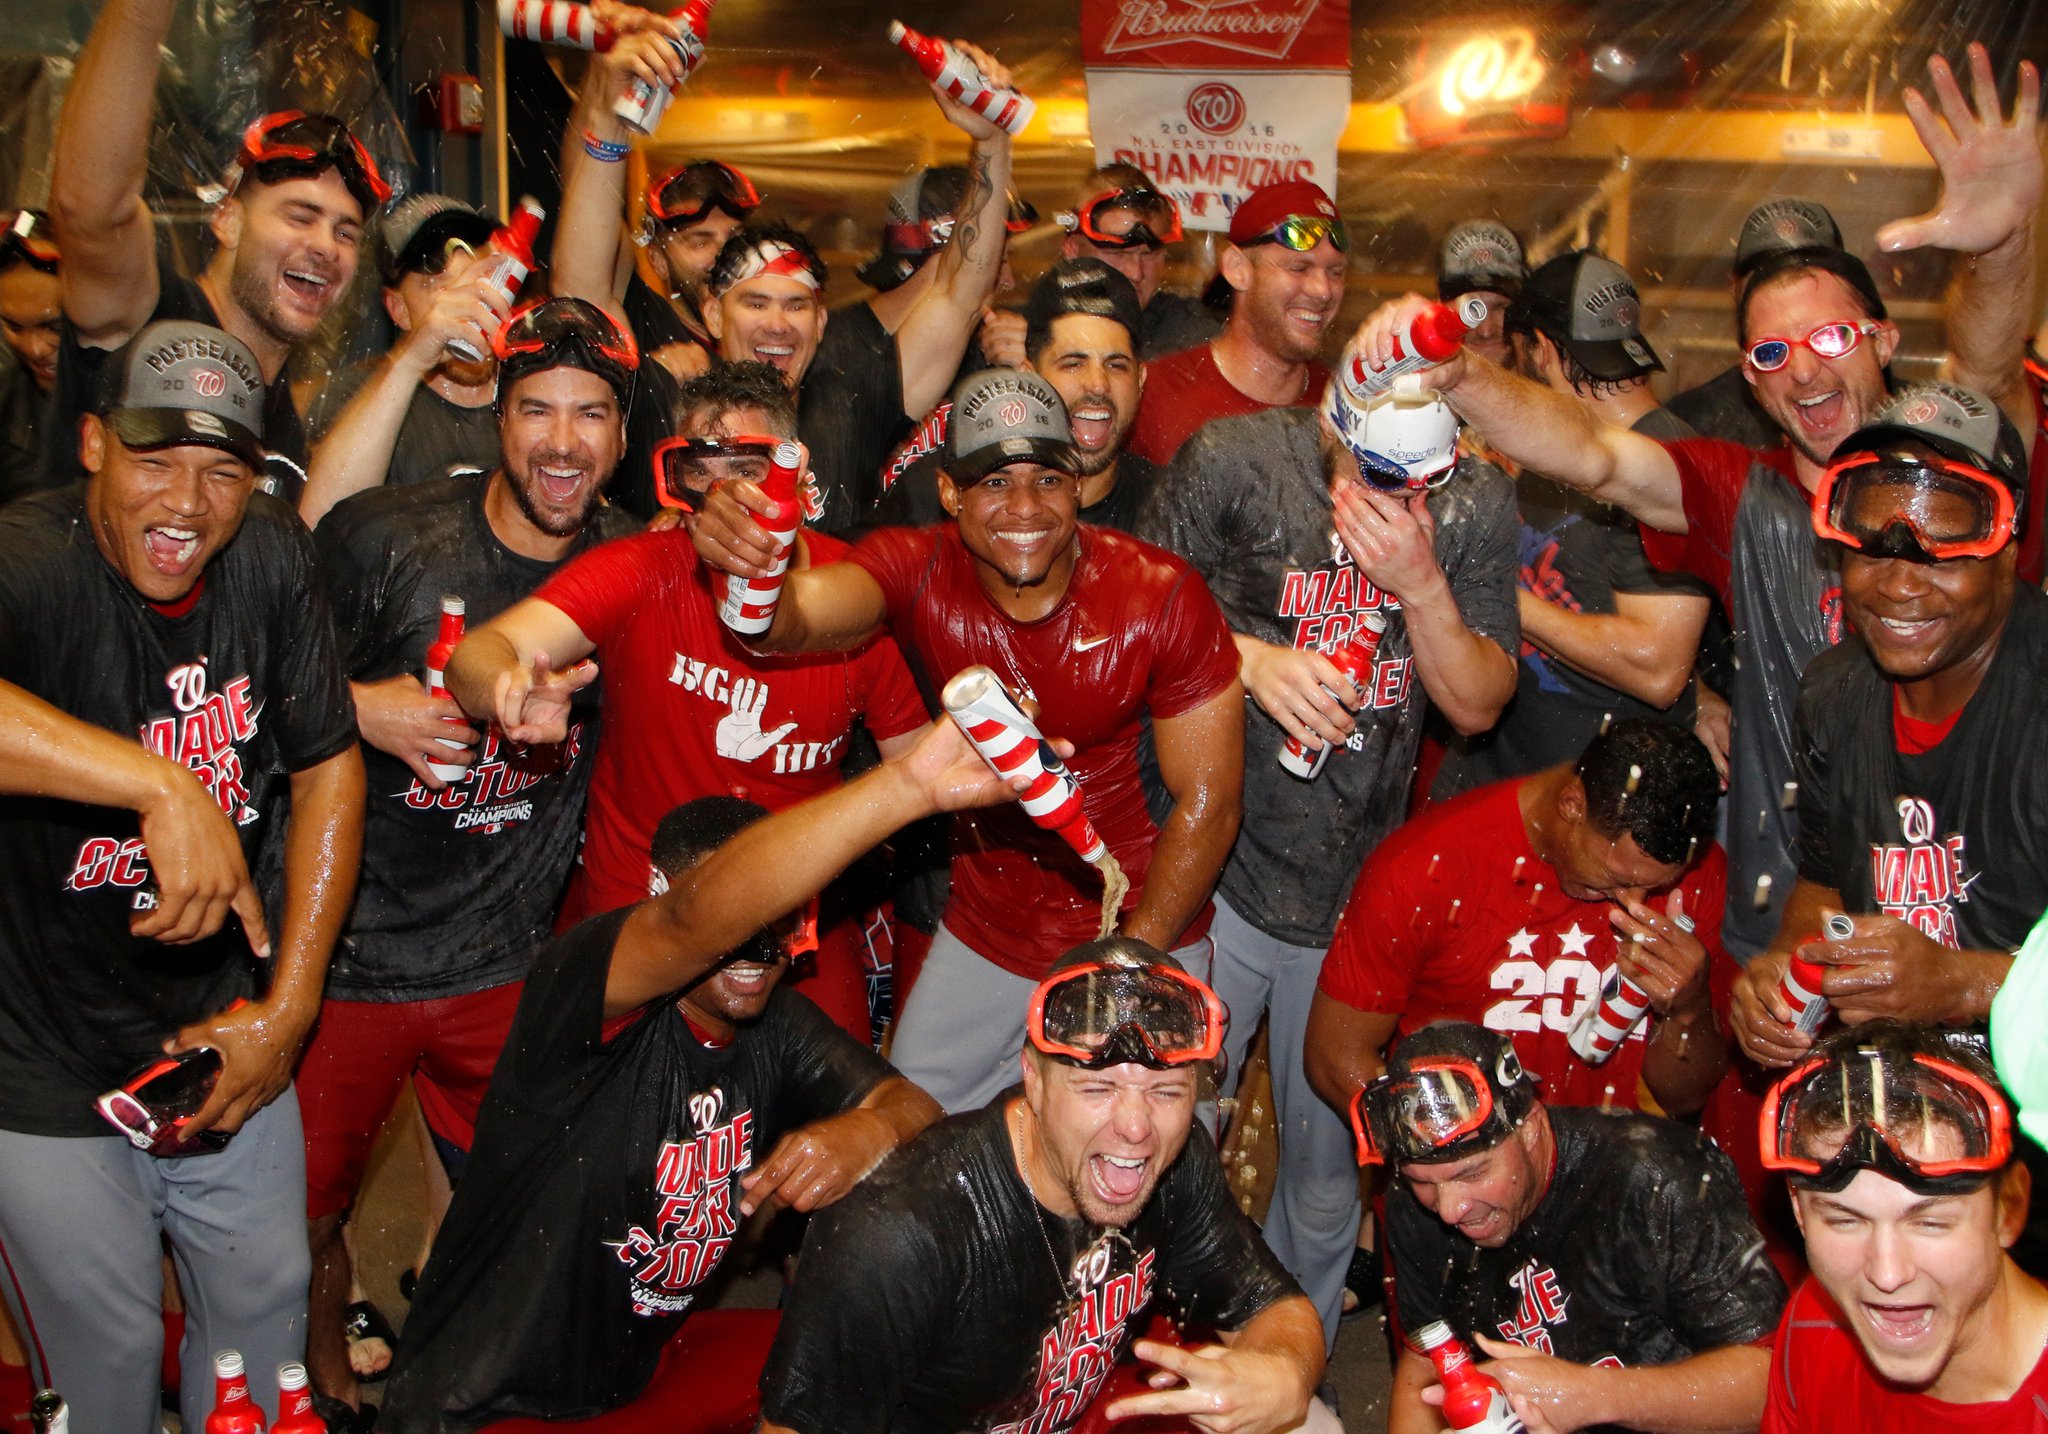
[{"x": 1265, "y": 207}]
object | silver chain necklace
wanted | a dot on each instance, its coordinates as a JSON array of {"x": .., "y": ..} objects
[{"x": 1059, "y": 1272}]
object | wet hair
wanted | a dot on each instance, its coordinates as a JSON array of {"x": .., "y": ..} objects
[
  {"x": 1079, "y": 286},
  {"x": 1574, "y": 372},
  {"x": 742, "y": 242},
  {"x": 726, "y": 387},
  {"x": 1113, "y": 176},
  {"x": 1900, "y": 1041},
  {"x": 694, "y": 830},
  {"x": 1652, "y": 781}
]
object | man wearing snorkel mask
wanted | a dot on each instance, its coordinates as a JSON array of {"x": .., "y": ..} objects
[
  {"x": 1305, "y": 523},
  {"x": 991, "y": 1273}
]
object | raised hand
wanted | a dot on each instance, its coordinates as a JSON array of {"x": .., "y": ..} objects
[{"x": 1990, "y": 166}]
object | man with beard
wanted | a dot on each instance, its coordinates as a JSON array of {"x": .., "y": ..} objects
[
  {"x": 424, "y": 409},
  {"x": 691, "y": 211},
  {"x": 1285, "y": 268},
  {"x": 863, "y": 380},
  {"x": 1483, "y": 257},
  {"x": 168, "y": 677},
  {"x": 31, "y": 322},
  {"x": 298, "y": 193},
  {"x": 1816, "y": 344},
  {"x": 1123, "y": 220},
  {"x": 1081, "y": 331},
  {"x": 1305, "y": 533},
  {"x": 1899, "y": 1150},
  {"x": 470, "y": 835},
  {"x": 1105, "y": 632},
  {"x": 1602, "y": 1263},
  {"x": 991, "y": 1273},
  {"x": 689, "y": 711},
  {"x": 659, "y": 1088}
]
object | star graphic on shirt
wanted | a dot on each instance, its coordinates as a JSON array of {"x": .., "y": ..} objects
[
  {"x": 1574, "y": 941},
  {"x": 1522, "y": 943}
]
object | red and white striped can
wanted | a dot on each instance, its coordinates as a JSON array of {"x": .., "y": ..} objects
[
  {"x": 748, "y": 605},
  {"x": 977, "y": 700}
]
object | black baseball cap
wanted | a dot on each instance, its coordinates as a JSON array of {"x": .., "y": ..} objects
[
  {"x": 1782, "y": 225},
  {"x": 1002, "y": 416},
  {"x": 1080, "y": 285},
  {"x": 1480, "y": 254},
  {"x": 416, "y": 231},
  {"x": 1954, "y": 422},
  {"x": 178, "y": 382},
  {"x": 1587, "y": 305}
]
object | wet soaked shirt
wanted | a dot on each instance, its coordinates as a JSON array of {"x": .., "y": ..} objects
[
  {"x": 602, "y": 1191},
  {"x": 1248, "y": 505},
  {"x": 1187, "y": 390},
  {"x": 1750, "y": 536},
  {"x": 930, "y": 1302},
  {"x": 850, "y": 413},
  {"x": 435, "y": 438},
  {"x": 1641, "y": 1251},
  {"x": 1953, "y": 841},
  {"x": 459, "y": 886},
  {"x": 244, "y": 687}
]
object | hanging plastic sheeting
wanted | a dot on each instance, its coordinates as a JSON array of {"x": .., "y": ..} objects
[{"x": 226, "y": 63}]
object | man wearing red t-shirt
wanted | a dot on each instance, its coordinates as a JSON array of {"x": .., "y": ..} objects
[
  {"x": 689, "y": 712},
  {"x": 1285, "y": 263},
  {"x": 1507, "y": 906},
  {"x": 1897, "y": 1144},
  {"x": 1102, "y": 631}
]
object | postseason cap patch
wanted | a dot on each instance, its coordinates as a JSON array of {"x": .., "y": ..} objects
[
  {"x": 1002, "y": 416},
  {"x": 186, "y": 382}
]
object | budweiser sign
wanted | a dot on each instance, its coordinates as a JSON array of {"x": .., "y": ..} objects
[{"x": 1266, "y": 28}]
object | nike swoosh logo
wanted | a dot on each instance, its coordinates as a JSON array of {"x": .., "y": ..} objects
[{"x": 1082, "y": 644}]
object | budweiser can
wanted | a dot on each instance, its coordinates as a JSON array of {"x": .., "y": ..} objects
[
  {"x": 1355, "y": 660},
  {"x": 977, "y": 700},
  {"x": 641, "y": 105},
  {"x": 962, "y": 81},
  {"x": 748, "y": 606},
  {"x": 1431, "y": 337},
  {"x": 1799, "y": 988},
  {"x": 553, "y": 22},
  {"x": 1621, "y": 1007}
]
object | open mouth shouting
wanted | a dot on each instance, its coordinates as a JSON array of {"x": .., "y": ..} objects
[
  {"x": 310, "y": 287},
  {"x": 1118, "y": 1180},
  {"x": 1094, "y": 425},
  {"x": 171, "y": 550},
  {"x": 781, "y": 356}
]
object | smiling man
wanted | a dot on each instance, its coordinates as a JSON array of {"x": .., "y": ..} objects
[
  {"x": 1816, "y": 349},
  {"x": 298, "y": 194},
  {"x": 169, "y": 678},
  {"x": 1898, "y": 1147},
  {"x": 992, "y": 1272},
  {"x": 1285, "y": 267},
  {"x": 1605, "y": 1264},
  {"x": 1104, "y": 631},
  {"x": 31, "y": 320}
]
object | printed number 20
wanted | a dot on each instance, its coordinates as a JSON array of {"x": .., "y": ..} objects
[{"x": 1539, "y": 997}]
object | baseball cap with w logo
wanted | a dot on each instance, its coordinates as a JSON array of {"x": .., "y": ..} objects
[
  {"x": 1002, "y": 416},
  {"x": 180, "y": 382}
]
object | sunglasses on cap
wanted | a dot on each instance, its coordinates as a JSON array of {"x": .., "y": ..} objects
[
  {"x": 1830, "y": 341},
  {"x": 1913, "y": 508},
  {"x": 1436, "y": 1103},
  {"x": 1105, "y": 1013},
  {"x": 27, "y": 232},
  {"x": 312, "y": 142},
  {"x": 1302, "y": 232},
  {"x": 685, "y": 196},
  {"x": 686, "y": 469},
  {"x": 1932, "y": 1125},
  {"x": 1154, "y": 232}
]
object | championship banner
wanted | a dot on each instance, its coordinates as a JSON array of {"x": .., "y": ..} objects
[{"x": 1215, "y": 98}]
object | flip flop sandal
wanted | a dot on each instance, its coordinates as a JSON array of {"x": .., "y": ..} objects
[{"x": 362, "y": 1321}]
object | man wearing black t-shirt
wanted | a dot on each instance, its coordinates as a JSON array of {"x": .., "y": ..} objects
[
  {"x": 298, "y": 194},
  {"x": 463, "y": 866},
  {"x": 1080, "y": 334},
  {"x": 424, "y": 409},
  {"x": 31, "y": 327},
  {"x": 1605, "y": 1264},
  {"x": 691, "y": 211},
  {"x": 992, "y": 1272},
  {"x": 656, "y": 1090},
  {"x": 168, "y": 678},
  {"x": 1816, "y": 343}
]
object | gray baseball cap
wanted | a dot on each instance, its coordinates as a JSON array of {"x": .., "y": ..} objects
[
  {"x": 418, "y": 227},
  {"x": 1586, "y": 304},
  {"x": 1480, "y": 254},
  {"x": 1005, "y": 415},
  {"x": 1955, "y": 423},
  {"x": 180, "y": 382},
  {"x": 1778, "y": 226}
]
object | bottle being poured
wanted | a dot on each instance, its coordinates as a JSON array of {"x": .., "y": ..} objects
[{"x": 1011, "y": 743}]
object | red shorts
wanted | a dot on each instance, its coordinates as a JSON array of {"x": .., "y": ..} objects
[{"x": 360, "y": 1054}]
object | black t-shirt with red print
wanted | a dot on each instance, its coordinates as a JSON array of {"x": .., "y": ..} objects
[
  {"x": 245, "y": 686},
  {"x": 603, "y": 1190},
  {"x": 930, "y": 1302}
]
